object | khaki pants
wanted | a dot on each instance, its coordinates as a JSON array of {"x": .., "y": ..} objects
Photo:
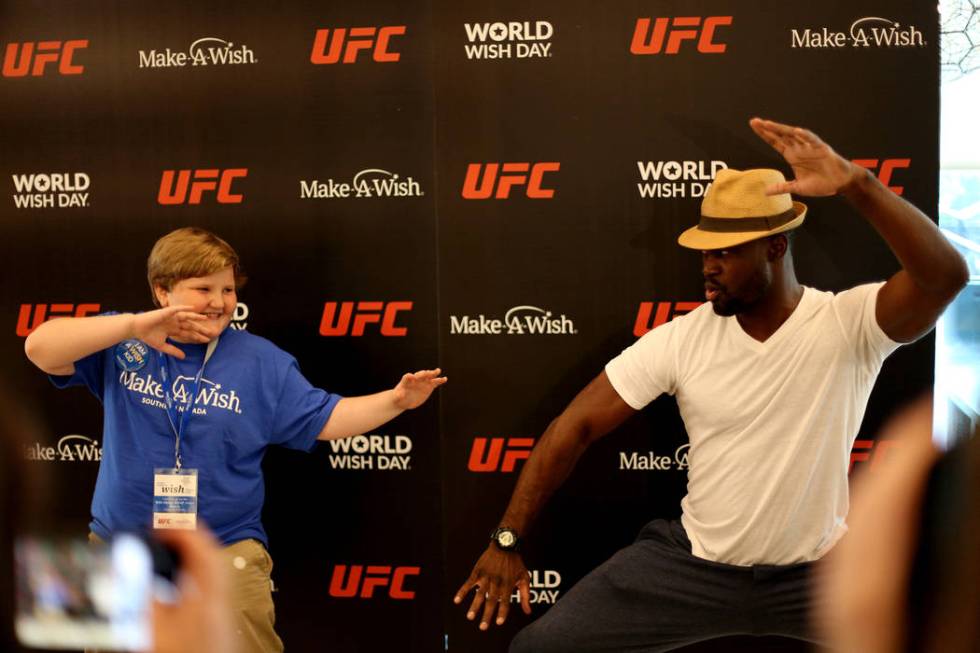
[{"x": 250, "y": 568}]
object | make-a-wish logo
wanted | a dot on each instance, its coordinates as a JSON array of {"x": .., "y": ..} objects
[
  {"x": 207, "y": 51},
  {"x": 70, "y": 448},
  {"x": 209, "y": 394}
]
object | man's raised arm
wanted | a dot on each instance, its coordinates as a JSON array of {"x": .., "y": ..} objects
[
  {"x": 596, "y": 410},
  {"x": 932, "y": 273}
]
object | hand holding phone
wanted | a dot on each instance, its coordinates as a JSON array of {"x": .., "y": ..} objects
[
  {"x": 200, "y": 621},
  {"x": 165, "y": 592}
]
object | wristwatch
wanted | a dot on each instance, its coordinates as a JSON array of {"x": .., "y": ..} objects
[{"x": 505, "y": 538}]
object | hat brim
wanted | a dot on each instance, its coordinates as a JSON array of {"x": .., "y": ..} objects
[{"x": 695, "y": 238}]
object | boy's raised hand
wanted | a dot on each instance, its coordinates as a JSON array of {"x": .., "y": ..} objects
[{"x": 177, "y": 322}]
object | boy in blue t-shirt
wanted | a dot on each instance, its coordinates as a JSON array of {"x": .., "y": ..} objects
[{"x": 191, "y": 405}]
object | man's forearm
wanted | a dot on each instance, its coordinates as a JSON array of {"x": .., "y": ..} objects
[
  {"x": 55, "y": 345},
  {"x": 930, "y": 260},
  {"x": 549, "y": 465}
]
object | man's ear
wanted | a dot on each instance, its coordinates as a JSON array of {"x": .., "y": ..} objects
[{"x": 778, "y": 246}]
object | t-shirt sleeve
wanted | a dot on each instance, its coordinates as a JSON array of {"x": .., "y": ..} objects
[
  {"x": 647, "y": 368},
  {"x": 855, "y": 308},
  {"x": 89, "y": 371},
  {"x": 302, "y": 410}
]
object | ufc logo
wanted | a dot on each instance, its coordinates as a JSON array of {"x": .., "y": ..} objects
[
  {"x": 44, "y": 312},
  {"x": 512, "y": 174},
  {"x": 664, "y": 312},
  {"x": 350, "y": 321},
  {"x": 175, "y": 184},
  {"x": 502, "y": 454},
  {"x": 884, "y": 174},
  {"x": 327, "y": 46},
  {"x": 869, "y": 451},
  {"x": 361, "y": 582},
  {"x": 34, "y": 57},
  {"x": 680, "y": 29}
]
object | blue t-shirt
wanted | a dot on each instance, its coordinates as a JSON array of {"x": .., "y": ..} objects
[{"x": 251, "y": 395}]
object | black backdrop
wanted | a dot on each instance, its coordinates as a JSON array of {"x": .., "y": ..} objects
[{"x": 587, "y": 147}]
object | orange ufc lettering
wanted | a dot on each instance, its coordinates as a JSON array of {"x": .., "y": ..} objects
[
  {"x": 870, "y": 451},
  {"x": 30, "y": 57},
  {"x": 675, "y": 32},
  {"x": 501, "y": 455},
  {"x": 663, "y": 313},
  {"x": 353, "y": 318},
  {"x": 189, "y": 186},
  {"x": 44, "y": 312},
  {"x": 361, "y": 581},
  {"x": 884, "y": 174},
  {"x": 496, "y": 180},
  {"x": 328, "y": 44}
]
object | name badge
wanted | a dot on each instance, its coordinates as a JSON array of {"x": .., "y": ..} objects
[{"x": 175, "y": 498}]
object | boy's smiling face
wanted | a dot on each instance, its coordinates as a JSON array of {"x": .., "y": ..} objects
[{"x": 213, "y": 296}]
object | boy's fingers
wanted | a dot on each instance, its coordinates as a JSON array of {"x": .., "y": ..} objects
[{"x": 169, "y": 349}]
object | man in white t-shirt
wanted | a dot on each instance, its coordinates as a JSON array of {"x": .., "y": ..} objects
[{"x": 764, "y": 361}]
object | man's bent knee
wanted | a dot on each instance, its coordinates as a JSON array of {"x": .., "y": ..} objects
[{"x": 541, "y": 637}]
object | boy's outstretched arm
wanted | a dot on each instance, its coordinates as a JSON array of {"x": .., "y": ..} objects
[{"x": 358, "y": 415}]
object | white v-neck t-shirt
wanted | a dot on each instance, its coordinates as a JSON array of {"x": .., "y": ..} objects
[{"x": 771, "y": 423}]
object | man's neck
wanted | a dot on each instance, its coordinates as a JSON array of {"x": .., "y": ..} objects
[{"x": 765, "y": 317}]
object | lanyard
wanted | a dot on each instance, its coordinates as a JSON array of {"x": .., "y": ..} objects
[{"x": 178, "y": 423}]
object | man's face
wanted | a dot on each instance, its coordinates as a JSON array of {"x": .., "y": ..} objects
[
  {"x": 213, "y": 296},
  {"x": 736, "y": 278}
]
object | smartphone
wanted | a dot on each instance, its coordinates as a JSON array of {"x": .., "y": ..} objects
[{"x": 74, "y": 594}]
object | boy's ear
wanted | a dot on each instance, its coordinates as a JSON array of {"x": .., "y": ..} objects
[{"x": 162, "y": 295}]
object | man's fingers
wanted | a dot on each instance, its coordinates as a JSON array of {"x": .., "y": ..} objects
[
  {"x": 776, "y": 128},
  {"x": 808, "y": 137},
  {"x": 492, "y": 601},
  {"x": 478, "y": 599},
  {"x": 758, "y": 126},
  {"x": 465, "y": 588},
  {"x": 503, "y": 609},
  {"x": 800, "y": 139},
  {"x": 524, "y": 590},
  {"x": 779, "y": 189}
]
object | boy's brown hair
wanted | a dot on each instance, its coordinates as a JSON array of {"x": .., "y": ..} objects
[{"x": 186, "y": 253}]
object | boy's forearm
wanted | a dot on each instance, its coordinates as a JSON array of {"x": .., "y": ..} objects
[
  {"x": 55, "y": 345},
  {"x": 358, "y": 415}
]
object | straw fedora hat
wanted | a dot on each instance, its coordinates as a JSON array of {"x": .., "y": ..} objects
[{"x": 736, "y": 210}]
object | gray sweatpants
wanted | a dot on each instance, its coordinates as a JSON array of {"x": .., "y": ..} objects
[{"x": 654, "y": 595}]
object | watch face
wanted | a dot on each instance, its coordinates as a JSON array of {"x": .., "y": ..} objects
[{"x": 506, "y": 539}]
